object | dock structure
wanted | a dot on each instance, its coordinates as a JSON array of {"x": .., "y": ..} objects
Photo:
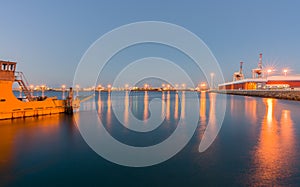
[
  {"x": 12, "y": 107},
  {"x": 276, "y": 94},
  {"x": 261, "y": 80}
]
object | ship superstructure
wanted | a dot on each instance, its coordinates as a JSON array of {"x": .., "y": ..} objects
[{"x": 13, "y": 107}]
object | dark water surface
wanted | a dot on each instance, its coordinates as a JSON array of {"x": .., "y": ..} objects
[{"x": 258, "y": 144}]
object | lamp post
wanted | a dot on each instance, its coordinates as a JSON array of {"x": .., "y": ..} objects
[
  {"x": 285, "y": 72},
  {"x": 99, "y": 87},
  {"x": 109, "y": 87},
  {"x": 31, "y": 89},
  {"x": 126, "y": 87},
  {"x": 163, "y": 87},
  {"x": 20, "y": 90},
  {"x": 43, "y": 90},
  {"x": 183, "y": 86},
  {"x": 146, "y": 86},
  {"x": 63, "y": 91},
  {"x": 168, "y": 87},
  {"x": 212, "y": 80},
  {"x": 268, "y": 72},
  {"x": 77, "y": 89}
]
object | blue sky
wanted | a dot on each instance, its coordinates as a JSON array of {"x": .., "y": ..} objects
[{"x": 48, "y": 38}]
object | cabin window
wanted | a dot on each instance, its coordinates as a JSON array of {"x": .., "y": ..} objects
[
  {"x": 4, "y": 66},
  {"x": 2, "y": 100},
  {"x": 8, "y": 67},
  {"x": 12, "y": 67}
]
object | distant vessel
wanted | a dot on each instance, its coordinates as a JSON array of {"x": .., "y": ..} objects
[{"x": 13, "y": 107}]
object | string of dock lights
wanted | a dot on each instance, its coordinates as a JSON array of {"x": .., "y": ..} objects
[{"x": 145, "y": 86}]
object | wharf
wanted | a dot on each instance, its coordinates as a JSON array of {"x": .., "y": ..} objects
[{"x": 277, "y": 94}]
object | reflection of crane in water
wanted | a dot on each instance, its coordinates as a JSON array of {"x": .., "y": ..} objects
[{"x": 239, "y": 75}]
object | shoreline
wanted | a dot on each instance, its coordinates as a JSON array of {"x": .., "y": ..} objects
[{"x": 276, "y": 94}]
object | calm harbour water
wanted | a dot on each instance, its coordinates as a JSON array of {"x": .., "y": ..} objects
[{"x": 258, "y": 144}]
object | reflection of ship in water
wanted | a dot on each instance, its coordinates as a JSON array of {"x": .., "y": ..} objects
[
  {"x": 12, "y": 107},
  {"x": 20, "y": 140}
]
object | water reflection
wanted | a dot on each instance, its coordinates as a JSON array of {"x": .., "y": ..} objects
[
  {"x": 176, "y": 106},
  {"x": 99, "y": 103},
  {"x": 163, "y": 103},
  {"x": 262, "y": 132},
  {"x": 146, "y": 103},
  {"x": 168, "y": 105},
  {"x": 203, "y": 107},
  {"x": 182, "y": 105},
  {"x": 108, "y": 114},
  {"x": 126, "y": 109},
  {"x": 251, "y": 109},
  {"x": 25, "y": 144},
  {"x": 270, "y": 105},
  {"x": 276, "y": 147},
  {"x": 212, "y": 111}
]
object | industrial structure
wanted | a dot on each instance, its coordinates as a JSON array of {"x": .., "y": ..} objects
[
  {"x": 258, "y": 72},
  {"x": 260, "y": 80},
  {"x": 239, "y": 75}
]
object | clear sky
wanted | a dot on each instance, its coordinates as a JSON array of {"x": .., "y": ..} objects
[{"x": 48, "y": 38}]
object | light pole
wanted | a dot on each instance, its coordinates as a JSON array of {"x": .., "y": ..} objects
[
  {"x": 176, "y": 86},
  {"x": 285, "y": 72},
  {"x": 43, "y": 90},
  {"x": 31, "y": 89},
  {"x": 99, "y": 87},
  {"x": 126, "y": 87},
  {"x": 63, "y": 91},
  {"x": 268, "y": 72},
  {"x": 77, "y": 89},
  {"x": 212, "y": 80},
  {"x": 108, "y": 87},
  {"x": 183, "y": 86},
  {"x": 20, "y": 90}
]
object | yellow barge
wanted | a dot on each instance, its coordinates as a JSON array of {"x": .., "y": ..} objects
[{"x": 13, "y": 107}]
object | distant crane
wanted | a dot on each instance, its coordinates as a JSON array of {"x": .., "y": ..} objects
[
  {"x": 258, "y": 72},
  {"x": 239, "y": 75}
]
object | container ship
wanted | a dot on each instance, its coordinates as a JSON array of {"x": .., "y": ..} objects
[
  {"x": 261, "y": 80},
  {"x": 12, "y": 107}
]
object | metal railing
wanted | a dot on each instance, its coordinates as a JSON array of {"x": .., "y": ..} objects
[{"x": 22, "y": 81}]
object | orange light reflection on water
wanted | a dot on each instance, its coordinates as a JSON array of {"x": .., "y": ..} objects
[
  {"x": 146, "y": 103},
  {"x": 203, "y": 107},
  {"x": 163, "y": 105},
  {"x": 126, "y": 108},
  {"x": 108, "y": 115},
  {"x": 276, "y": 145},
  {"x": 99, "y": 103},
  {"x": 212, "y": 110},
  {"x": 176, "y": 107},
  {"x": 168, "y": 106},
  {"x": 21, "y": 134},
  {"x": 251, "y": 109},
  {"x": 183, "y": 105}
]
